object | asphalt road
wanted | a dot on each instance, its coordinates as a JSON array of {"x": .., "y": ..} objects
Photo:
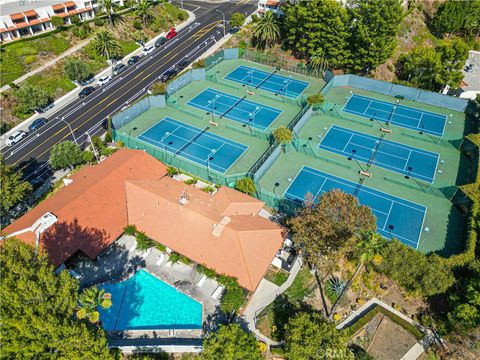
[{"x": 86, "y": 115}]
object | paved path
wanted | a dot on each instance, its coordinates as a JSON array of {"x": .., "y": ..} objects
[
  {"x": 47, "y": 64},
  {"x": 264, "y": 296}
]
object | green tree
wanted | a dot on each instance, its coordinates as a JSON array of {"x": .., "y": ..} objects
[
  {"x": 233, "y": 300},
  {"x": 453, "y": 55},
  {"x": 104, "y": 44},
  {"x": 266, "y": 31},
  {"x": 374, "y": 27},
  {"x": 246, "y": 185},
  {"x": 310, "y": 336},
  {"x": 90, "y": 300},
  {"x": 37, "y": 310},
  {"x": 57, "y": 21},
  {"x": 65, "y": 155},
  {"x": 12, "y": 189},
  {"x": 31, "y": 97},
  {"x": 416, "y": 273},
  {"x": 367, "y": 251},
  {"x": 318, "y": 28},
  {"x": 327, "y": 228},
  {"x": 77, "y": 70},
  {"x": 283, "y": 135},
  {"x": 143, "y": 10},
  {"x": 109, "y": 7},
  {"x": 230, "y": 342},
  {"x": 237, "y": 19},
  {"x": 457, "y": 17}
]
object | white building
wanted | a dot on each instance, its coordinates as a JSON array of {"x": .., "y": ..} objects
[{"x": 270, "y": 5}]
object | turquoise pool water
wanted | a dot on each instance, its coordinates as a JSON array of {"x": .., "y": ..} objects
[{"x": 146, "y": 302}]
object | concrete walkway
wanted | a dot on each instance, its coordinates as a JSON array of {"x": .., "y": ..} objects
[
  {"x": 47, "y": 64},
  {"x": 264, "y": 296}
]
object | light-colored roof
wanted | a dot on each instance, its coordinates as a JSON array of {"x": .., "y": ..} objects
[
  {"x": 8, "y": 7},
  {"x": 92, "y": 210},
  {"x": 222, "y": 231}
]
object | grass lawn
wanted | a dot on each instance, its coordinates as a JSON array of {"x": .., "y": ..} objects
[{"x": 276, "y": 276}]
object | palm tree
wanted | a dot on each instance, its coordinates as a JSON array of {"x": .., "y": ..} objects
[
  {"x": 142, "y": 10},
  {"x": 109, "y": 7},
  {"x": 318, "y": 61},
  {"x": 368, "y": 250},
  {"x": 267, "y": 31},
  {"x": 105, "y": 44},
  {"x": 90, "y": 299}
]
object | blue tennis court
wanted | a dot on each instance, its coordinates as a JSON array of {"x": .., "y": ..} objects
[
  {"x": 235, "y": 108},
  {"x": 400, "y": 115},
  {"x": 373, "y": 150},
  {"x": 395, "y": 217},
  {"x": 198, "y": 145},
  {"x": 269, "y": 81}
]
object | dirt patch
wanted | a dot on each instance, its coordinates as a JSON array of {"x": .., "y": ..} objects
[{"x": 390, "y": 341}]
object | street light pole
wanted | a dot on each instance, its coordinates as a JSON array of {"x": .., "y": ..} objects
[
  {"x": 224, "y": 24},
  {"x": 93, "y": 146},
  {"x": 68, "y": 124}
]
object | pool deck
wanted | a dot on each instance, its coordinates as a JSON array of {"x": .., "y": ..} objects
[{"x": 119, "y": 262}]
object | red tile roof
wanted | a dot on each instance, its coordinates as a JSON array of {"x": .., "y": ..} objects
[
  {"x": 18, "y": 16},
  {"x": 222, "y": 231},
  {"x": 92, "y": 210}
]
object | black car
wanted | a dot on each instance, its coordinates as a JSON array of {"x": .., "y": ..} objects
[
  {"x": 160, "y": 41},
  {"x": 37, "y": 124},
  {"x": 86, "y": 91},
  {"x": 182, "y": 64},
  {"x": 133, "y": 60},
  {"x": 168, "y": 75}
]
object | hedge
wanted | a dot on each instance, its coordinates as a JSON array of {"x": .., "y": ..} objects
[{"x": 360, "y": 323}]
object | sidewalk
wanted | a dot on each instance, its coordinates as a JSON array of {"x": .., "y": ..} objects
[
  {"x": 47, "y": 64},
  {"x": 264, "y": 296},
  {"x": 65, "y": 100}
]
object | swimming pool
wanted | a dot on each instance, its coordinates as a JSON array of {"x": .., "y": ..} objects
[{"x": 145, "y": 302}]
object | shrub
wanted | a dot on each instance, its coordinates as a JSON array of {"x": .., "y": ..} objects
[
  {"x": 315, "y": 100},
  {"x": 159, "y": 88},
  {"x": 233, "y": 300},
  {"x": 160, "y": 247},
  {"x": 88, "y": 157},
  {"x": 65, "y": 155},
  {"x": 246, "y": 186},
  {"x": 172, "y": 171},
  {"x": 185, "y": 260},
  {"x": 174, "y": 257},
  {"x": 13, "y": 85},
  {"x": 143, "y": 241},
  {"x": 255, "y": 18},
  {"x": 99, "y": 21},
  {"x": 199, "y": 64},
  {"x": 190, "y": 181},
  {"x": 137, "y": 24},
  {"x": 77, "y": 70},
  {"x": 237, "y": 19},
  {"x": 75, "y": 19},
  {"x": 208, "y": 189},
  {"x": 282, "y": 135},
  {"x": 57, "y": 21},
  {"x": 202, "y": 269},
  {"x": 108, "y": 138},
  {"x": 181, "y": 16},
  {"x": 31, "y": 97},
  {"x": 130, "y": 230}
]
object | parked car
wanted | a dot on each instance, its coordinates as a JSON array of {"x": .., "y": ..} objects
[
  {"x": 160, "y": 41},
  {"x": 104, "y": 80},
  {"x": 168, "y": 75},
  {"x": 87, "y": 82},
  {"x": 171, "y": 34},
  {"x": 148, "y": 50},
  {"x": 119, "y": 68},
  {"x": 86, "y": 91},
  {"x": 182, "y": 64},
  {"x": 15, "y": 137},
  {"x": 133, "y": 60},
  {"x": 37, "y": 124}
]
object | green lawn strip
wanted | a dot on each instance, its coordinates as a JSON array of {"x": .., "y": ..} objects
[
  {"x": 277, "y": 277},
  {"x": 365, "y": 319},
  {"x": 301, "y": 286}
]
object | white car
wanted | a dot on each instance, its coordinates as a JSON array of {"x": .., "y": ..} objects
[
  {"x": 148, "y": 50},
  {"x": 15, "y": 137},
  {"x": 103, "y": 80}
]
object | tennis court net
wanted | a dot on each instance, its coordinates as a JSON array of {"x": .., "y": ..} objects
[
  {"x": 231, "y": 107},
  {"x": 375, "y": 150},
  {"x": 266, "y": 79},
  {"x": 192, "y": 140}
]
